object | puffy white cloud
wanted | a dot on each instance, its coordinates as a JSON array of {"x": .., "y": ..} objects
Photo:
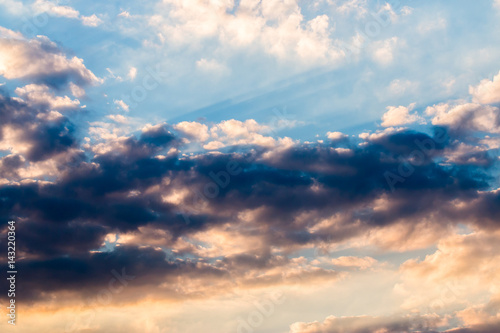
[
  {"x": 397, "y": 116},
  {"x": 275, "y": 27},
  {"x": 35, "y": 94},
  {"x": 467, "y": 116},
  {"x": 194, "y": 130},
  {"x": 487, "y": 91},
  {"x": 335, "y": 136},
  {"x": 235, "y": 132},
  {"x": 40, "y": 60}
]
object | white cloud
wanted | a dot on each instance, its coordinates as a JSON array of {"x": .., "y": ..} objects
[
  {"x": 132, "y": 73},
  {"x": 275, "y": 27},
  {"x": 467, "y": 116},
  {"x": 76, "y": 90},
  {"x": 194, "y": 130},
  {"x": 335, "y": 136},
  {"x": 124, "y": 14},
  {"x": 122, "y": 104},
  {"x": 357, "y": 6},
  {"x": 13, "y": 6},
  {"x": 118, "y": 118},
  {"x": 383, "y": 51},
  {"x": 35, "y": 94},
  {"x": 40, "y": 59},
  {"x": 44, "y": 6},
  {"x": 91, "y": 21},
  {"x": 487, "y": 91},
  {"x": 397, "y": 116},
  {"x": 235, "y": 132}
]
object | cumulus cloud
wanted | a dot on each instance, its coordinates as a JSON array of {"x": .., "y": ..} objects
[
  {"x": 397, "y": 116},
  {"x": 275, "y": 27},
  {"x": 335, "y": 136},
  {"x": 40, "y": 60},
  {"x": 466, "y": 116},
  {"x": 487, "y": 91},
  {"x": 236, "y": 132},
  {"x": 36, "y": 94},
  {"x": 194, "y": 130}
]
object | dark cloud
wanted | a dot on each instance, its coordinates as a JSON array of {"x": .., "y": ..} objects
[
  {"x": 123, "y": 189},
  {"x": 88, "y": 273},
  {"x": 42, "y": 138}
]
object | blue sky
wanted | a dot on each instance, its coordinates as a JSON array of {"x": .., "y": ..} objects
[{"x": 435, "y": 50}]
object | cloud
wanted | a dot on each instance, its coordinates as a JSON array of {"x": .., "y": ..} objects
[
  {"x": 466, "y": 117},
  {"x": 383, "y": 51},
  {"x": 259, "y": 200},
  {"x": 460, "y": 272},
  {"x": 194, "y": 130},
  {"x": 132, "y": 73},
  {"x": 49, "y": 132},
  {"x": 65, "y": 11},
  {"x": 361, "y": 263},
  {"x": 365, "y": 324},
  {"x": 36, "y": 94},
  {"x": 91, "y": 21},
  {"x": 357, "y": 6},
  {"x": 487, "y": 91},
  {"x": 41, "y": 61},
  {"x": 273, "y": 27},
  {"x": 397, "y": 116},
  {"x": 335, "y": 136},
  {"x": 122, "y": 104},
  {"x": 235, "y": 132}
]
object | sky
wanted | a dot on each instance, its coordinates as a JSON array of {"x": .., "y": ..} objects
[{"x": 272, "y": 166}]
